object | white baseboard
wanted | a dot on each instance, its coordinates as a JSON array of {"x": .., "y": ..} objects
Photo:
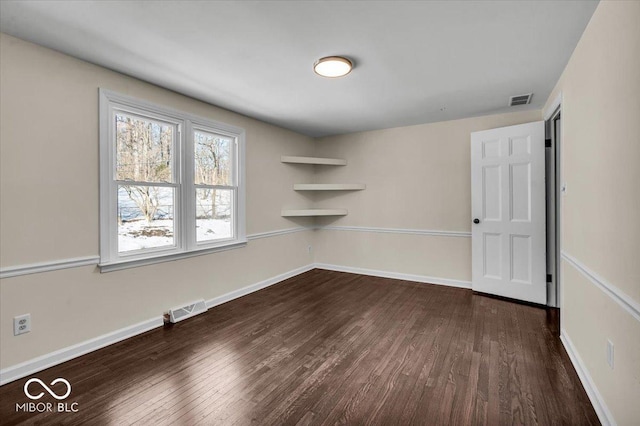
[
  {"x": 395, "y": 275},
  {"x": 605, "y": 416},
  {"x": 43, "y": 362},
  {"x": 257, "y": 286},
  {"x": 32, "y": 366}
]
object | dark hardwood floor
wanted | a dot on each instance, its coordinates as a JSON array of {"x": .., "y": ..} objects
[{"x": 325, "y": 348}]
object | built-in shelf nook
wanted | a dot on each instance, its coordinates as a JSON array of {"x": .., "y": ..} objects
[
  {"x": 313, "y": 160},
  {"x": 319, "y": 186},
  {"x": 314, "y": 212}
]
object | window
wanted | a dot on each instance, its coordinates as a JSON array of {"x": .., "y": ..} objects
[{"x": 171, "y": 184}]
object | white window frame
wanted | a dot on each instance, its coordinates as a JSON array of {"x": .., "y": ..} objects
[{"x": 183, "y": 167}]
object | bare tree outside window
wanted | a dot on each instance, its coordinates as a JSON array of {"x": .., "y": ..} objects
[
  {"x": 144, "y": 158},
  {"x": 212, "y": 167},
  {"x": 143, "y": 155},
  {"x": 213, "y": 164}
]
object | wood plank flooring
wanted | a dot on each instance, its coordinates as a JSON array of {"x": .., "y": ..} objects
[{"x": 329, "y": 348}]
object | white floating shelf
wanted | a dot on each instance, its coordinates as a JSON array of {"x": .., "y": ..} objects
[
  {"x": 313, "y": 160},
  {"x": 328, "y": 186},
  {"x": 314, "y": 212}
]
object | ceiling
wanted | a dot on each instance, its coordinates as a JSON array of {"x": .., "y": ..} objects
[{"x": 415, "y": 62}]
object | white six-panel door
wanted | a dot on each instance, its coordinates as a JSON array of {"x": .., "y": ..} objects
[{"x": 508, "y": 211}]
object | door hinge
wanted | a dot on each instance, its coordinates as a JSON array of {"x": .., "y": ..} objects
[
  {"x": 547, "y": 143},
  {"x": 549, "y": 278}
]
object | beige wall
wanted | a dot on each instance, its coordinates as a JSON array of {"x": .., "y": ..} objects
[
  {"x": 589, "y": 318},
  {"x": 601, "y": 120},
  {"x": 49, "y": 163},
  {"x": 417, "y": 177},
  {"x": 601, "y": 209},
  {"x": 49, "y": 208}
]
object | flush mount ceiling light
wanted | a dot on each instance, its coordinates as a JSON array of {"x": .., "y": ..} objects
[{"x": 332, "y": 66}]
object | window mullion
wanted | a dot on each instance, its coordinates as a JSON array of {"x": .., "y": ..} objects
[
  {"x": 178, "y": 191},
  {"x": 189, "y": 205}
]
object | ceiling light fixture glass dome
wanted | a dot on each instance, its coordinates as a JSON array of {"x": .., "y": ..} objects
[{"x": 333, "y": 66}]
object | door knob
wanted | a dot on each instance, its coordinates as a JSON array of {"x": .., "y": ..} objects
[{"x": 476, "y": 221}]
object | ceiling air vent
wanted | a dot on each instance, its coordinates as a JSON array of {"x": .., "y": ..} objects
[{"x": 520, "y": 99}]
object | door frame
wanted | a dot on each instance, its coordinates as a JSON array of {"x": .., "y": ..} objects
[{"x": 552, "y": 113}]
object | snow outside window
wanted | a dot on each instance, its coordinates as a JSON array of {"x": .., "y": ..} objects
[{"x": 171, "y": 184}]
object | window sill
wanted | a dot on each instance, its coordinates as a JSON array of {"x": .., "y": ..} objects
[{"x": 134, "y": 263}]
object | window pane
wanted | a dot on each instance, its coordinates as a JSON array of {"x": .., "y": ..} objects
[
  {"x": 214, "y": 213},
  {"x": 143, "y": 149},
  {"x": 145, "y": 217},
  {"x": 212, "y": 159}
]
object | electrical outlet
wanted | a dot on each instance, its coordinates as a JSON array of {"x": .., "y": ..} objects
[
  {"x": 610, "y": 353},
  {"x": 21, "y": 324}
]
